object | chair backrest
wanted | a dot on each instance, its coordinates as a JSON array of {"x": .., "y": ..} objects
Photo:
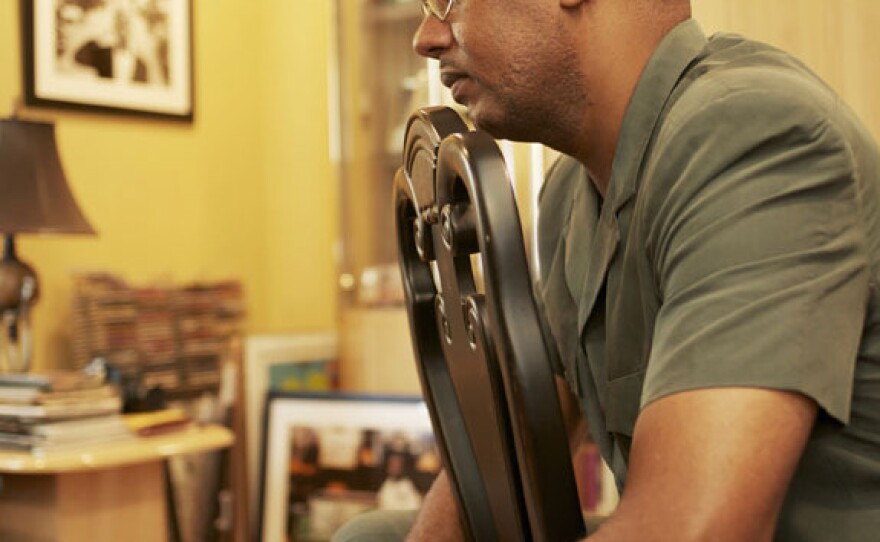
[{"x": 482, "y": 357}]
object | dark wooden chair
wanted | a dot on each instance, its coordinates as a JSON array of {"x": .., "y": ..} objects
[{"x": 482, "y": 357}]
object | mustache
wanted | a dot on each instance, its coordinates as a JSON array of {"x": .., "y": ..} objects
[{"x": 449, "y": 66}]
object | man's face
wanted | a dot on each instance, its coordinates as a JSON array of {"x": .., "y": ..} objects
[{"x": 509, "y": 61}]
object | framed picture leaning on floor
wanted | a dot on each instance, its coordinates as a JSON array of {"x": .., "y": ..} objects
[{"x": 329, "y": 456}]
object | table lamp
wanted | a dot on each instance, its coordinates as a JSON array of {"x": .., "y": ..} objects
[{"x": 34, "y": 198}]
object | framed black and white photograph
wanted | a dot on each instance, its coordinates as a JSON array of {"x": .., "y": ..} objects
[
  {"x": 328, "y": 457},
  {"x": 121, "y": 56}
]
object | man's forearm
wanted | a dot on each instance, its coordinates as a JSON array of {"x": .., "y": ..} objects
[{"x": 438, "y": 517}]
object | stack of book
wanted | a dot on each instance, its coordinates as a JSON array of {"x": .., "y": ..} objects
[
  {"x": 58, "y": 411},
  {"x": 173, "y": 337}
]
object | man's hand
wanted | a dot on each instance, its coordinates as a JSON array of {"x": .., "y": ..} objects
[
  {"x": 711, "y": 464},
  {"x": 438, "y": 517},
  {"x": 575, "y": 425}
]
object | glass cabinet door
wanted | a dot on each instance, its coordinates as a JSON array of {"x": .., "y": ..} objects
[{"x": 379, "y": 83}]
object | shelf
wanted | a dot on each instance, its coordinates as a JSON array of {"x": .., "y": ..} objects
[{"x": 193, "y": 439}]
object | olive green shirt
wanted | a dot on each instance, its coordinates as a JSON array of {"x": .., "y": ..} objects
[{"x": 738, "y": 245}]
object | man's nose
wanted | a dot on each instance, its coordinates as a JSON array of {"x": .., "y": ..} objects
[{"x": 432, "y": 37}]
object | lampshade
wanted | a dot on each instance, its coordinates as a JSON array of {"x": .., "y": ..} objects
[{"x": 35, "y": 195}]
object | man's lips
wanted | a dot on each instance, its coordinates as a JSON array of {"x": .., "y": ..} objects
[
  {"x": 454, "y": 81},
  {"x": 449, "y": 77}
]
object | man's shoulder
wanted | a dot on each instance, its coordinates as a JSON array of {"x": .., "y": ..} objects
[
  {"x": 740, "y": 104},
  {"x": 736, "y": 79}
]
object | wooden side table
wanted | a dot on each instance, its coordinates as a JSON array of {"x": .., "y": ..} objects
[{"x": 107, "y": 492}]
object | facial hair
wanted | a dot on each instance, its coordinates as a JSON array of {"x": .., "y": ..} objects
[{"x": 540, "y": 99}]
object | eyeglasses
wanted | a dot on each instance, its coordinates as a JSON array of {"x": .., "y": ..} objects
[{"x": 437, "y": 8}]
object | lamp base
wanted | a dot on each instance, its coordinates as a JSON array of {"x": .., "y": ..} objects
[{"x": 18, "y": 291}]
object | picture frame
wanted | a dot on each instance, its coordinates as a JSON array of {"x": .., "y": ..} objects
[
  {"x": 330, "y": 456},
  {"x": 264, "y": 353},
  {"x": 114, "y": 56}
]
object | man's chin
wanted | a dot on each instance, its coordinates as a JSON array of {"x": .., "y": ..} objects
[
  {"x": 493, "y": 124},
  {"x": 496, "y": 120}
]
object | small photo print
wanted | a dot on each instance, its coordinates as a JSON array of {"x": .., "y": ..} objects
[{"x": 339, "y": 472}]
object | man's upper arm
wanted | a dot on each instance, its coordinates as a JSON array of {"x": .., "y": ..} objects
[{"x": 758, "y": 251}]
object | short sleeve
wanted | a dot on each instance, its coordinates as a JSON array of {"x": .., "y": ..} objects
[{"x": 758, "y": 252}]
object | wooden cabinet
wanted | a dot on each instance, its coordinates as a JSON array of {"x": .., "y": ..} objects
[
  {"x": 380, "y": 81},
  {"x": 111, "y": 492},
  {"x": 376, "y": 351}
]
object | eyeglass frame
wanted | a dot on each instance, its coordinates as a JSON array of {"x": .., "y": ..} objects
[{"x": 429, "y": 8}]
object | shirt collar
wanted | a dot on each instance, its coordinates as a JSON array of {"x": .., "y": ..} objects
[{"x": 676, "y": 51}]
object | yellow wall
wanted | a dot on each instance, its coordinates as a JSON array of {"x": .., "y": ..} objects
[
  {"x": 246, "y": 191},
  {"x": 302, "y": 193}
]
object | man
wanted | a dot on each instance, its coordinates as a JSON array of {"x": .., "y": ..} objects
[{"x": 709, "y": 260}]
